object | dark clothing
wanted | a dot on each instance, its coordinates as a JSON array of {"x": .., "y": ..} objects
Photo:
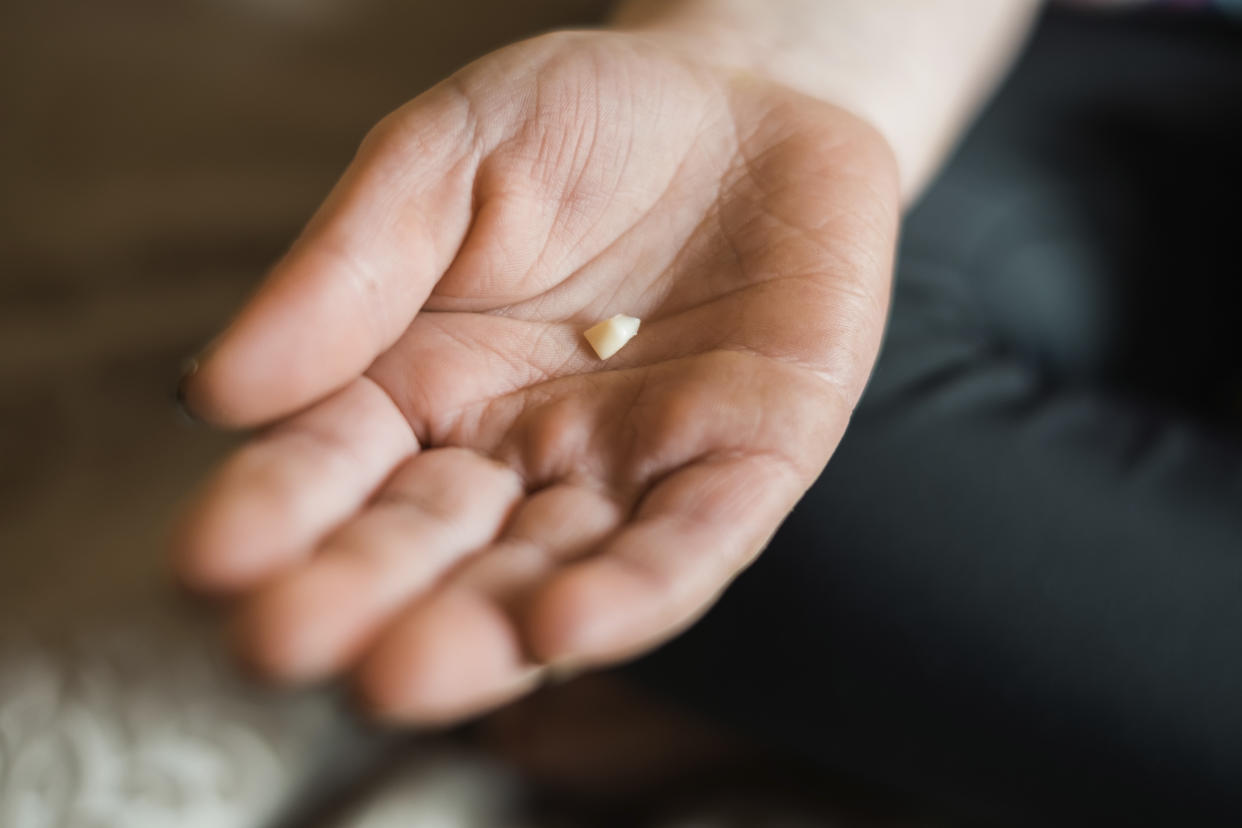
[{"x": 1017, "y": 588}]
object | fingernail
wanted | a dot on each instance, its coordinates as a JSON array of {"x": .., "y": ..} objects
[
  {"x": 188, "y": 369},
  {"x": 562, "y": 671}
]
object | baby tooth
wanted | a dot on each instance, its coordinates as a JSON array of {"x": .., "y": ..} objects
[{"x": 610, "y": 336}]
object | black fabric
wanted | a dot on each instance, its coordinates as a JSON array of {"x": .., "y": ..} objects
[{"x": 1017, "y": 588}]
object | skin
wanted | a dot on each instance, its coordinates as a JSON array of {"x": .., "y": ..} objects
[{"x": 451, "y": 495}]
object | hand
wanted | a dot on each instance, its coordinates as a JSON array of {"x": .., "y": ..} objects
[{"x": 461, "y": 492}]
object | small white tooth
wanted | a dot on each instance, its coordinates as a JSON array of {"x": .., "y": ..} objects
[{"x": 610, "y": 336}]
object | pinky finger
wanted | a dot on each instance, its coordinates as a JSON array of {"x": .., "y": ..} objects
[{"x": 694, "y": 532}]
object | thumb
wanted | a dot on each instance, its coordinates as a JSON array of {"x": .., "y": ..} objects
[{"x": 356, "y": 277}]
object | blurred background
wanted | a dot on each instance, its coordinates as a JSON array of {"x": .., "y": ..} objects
[{"x": 156, "y": 156}]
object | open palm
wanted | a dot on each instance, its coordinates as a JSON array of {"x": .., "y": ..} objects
[{"x": 459, "y": 492}]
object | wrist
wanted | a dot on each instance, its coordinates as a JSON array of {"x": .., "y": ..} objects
[{"x": 895, "y": 65}]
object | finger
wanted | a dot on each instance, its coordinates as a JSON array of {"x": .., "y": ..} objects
[
  {"x": 270, "y": 504},
  {"x": 414, "y": 675},
  {"x": 720, "y": 473},
  {"x": 439, "y": 507},
  {"x": 354, "y": 280},
  {"x": 693, "y": 533}
]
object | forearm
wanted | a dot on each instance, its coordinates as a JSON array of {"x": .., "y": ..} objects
[{"x": 916, "y": 69}]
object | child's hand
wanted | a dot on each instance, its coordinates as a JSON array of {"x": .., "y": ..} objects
[{"x": 467, "y": 491}]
